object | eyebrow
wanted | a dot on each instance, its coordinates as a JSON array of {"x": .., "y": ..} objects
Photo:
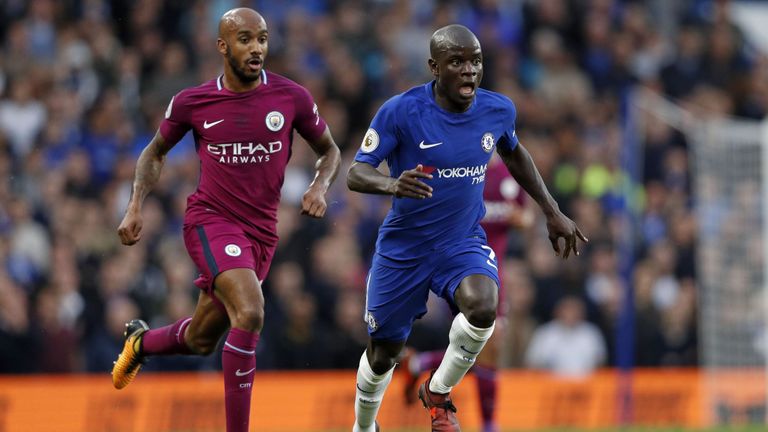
[
  {"x": 460, "y": 55},
  {"x": 249, "y": 32}
]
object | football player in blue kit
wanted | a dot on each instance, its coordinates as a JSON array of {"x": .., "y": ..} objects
[{"x": 437, "y": 139}]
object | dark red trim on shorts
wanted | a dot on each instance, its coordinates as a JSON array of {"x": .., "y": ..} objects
[{"x": 207, "y": 251}]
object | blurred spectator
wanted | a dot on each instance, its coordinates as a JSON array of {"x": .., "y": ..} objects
[
  {"x": 58, "y": 335},
  {"x": 22, "y": 116},
  {"x": 297, "y": 343},
  {"x": 567, "y": 346},
  {"x": 20, "y": 347},
  {"x": 30, "y": 248},
  {"x": 520, "y": 324}
]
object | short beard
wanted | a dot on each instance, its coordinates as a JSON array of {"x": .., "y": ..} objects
[{"x": 238, "y": 71}]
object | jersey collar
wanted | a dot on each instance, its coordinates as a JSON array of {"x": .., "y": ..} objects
[
  {"x": 429, "y": 87},
  {"x": 220, "y": 79}
]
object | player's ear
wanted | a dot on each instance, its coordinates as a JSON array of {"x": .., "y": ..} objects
[
  {"x": 221, "y": 46},
  {"x": 432, "y": 67}
]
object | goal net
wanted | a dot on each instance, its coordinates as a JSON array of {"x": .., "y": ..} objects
[{"x": 729, "y": 178}]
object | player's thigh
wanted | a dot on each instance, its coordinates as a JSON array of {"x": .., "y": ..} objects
[
  {"x": 218, "y": 246},
  {"x": 395, "y": 297},
  {"x": 240, "y": 292},
  {"x": 471, "y": 269}
]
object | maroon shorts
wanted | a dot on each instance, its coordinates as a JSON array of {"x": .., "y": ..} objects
[{"x": 216, "y": 244}]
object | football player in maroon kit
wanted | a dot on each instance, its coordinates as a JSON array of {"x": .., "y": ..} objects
[{"x": 243, "y": 123}]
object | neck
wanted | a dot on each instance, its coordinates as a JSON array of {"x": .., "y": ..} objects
[
  {"x": 233, "y": 83},
  {"x": 445, "y": 103}
]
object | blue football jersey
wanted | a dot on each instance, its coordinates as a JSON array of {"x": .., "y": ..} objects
[{"x": 411, "y": 129}]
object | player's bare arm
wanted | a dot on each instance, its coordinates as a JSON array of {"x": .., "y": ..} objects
[
  {"x": 363, "y": 177},
  {"x": 326, "y": 168},
  {"x": 148, "y": 169},
  {"x": 520, "y": 164}
]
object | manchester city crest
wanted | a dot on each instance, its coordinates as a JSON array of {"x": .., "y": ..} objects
[
  {"x": 232, "y": 250},
  {"x": 487, "y": 142},
  {"x": 275, "y": 121}
]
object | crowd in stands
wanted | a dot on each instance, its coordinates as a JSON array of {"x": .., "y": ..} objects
[{"x": 84, "y": 85}]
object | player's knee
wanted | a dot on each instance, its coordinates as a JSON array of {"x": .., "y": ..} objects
[
  {"x": 481, "y": 315},
  {"x": 478, "y": 301},
  {"x": 381, "y": 364},
  {"x": 250, "y": 318}
]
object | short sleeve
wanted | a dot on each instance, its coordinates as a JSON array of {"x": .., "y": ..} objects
[
  {"x": 381, "y": 138},
  {"x": 307, "y": 122},
  {"x": 176, "y": 122},
  {"x": 508, "y": 139}
]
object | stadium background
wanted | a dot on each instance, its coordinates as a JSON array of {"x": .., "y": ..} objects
[{"x": 83, "y": 85}]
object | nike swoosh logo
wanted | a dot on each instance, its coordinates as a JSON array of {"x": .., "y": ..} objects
[
  {"x": 238, "y": 373},
  {"x": 358, "y": 387},
  {"x": 426, "y": 146},
  {"x": 207, "y": 125},
  {"x": 471, "y": 352}
]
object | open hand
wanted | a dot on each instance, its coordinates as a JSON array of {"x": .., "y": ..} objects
[{"x": 559, "y": 226}]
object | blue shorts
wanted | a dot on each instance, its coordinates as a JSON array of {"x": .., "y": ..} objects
[{"x": 397, "y": 293}]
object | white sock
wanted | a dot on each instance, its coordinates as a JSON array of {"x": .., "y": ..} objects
[
  {"x": 466, "y": 342},
  {"x": 370, "y": 391}
]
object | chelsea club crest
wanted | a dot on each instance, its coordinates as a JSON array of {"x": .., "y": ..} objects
[
  {"x": 372, "y": 324},
  {"x": 487, "y": 142}
]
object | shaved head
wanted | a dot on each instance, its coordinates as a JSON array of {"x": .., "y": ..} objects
[
  {"x": 451, "y": 36},
  {"x": 236, "y": 18}
]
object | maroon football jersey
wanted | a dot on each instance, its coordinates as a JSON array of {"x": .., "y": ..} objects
[
  {"x": 501, "y": 189},
  {"x": 244, "y": 143}
]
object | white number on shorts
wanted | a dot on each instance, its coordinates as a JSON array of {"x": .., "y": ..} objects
[{"x": 491, "y": 257}]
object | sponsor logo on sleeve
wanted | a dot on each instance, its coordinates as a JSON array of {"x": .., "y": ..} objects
[{"x": 370, "y": 141}]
